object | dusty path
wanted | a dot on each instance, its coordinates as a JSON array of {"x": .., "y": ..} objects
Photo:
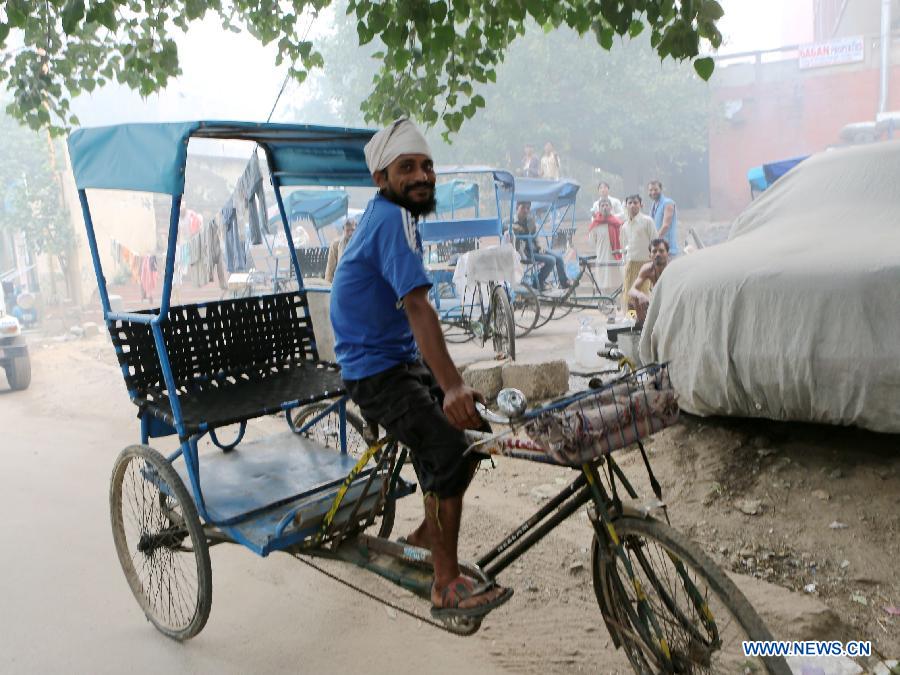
[{"x": 67, "y": 607}]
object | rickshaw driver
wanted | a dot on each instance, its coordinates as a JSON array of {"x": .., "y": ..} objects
[{"x": 386, "y": 331}]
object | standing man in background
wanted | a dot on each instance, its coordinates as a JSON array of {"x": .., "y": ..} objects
[
  {"x": 637, "y": 233},
  {"x": 664, "y": 216},
  {"x": 618, "y": 210},
  {"x": 531, "y": 165},
  {"x": 336, "y": 249},
  {"x": 550, "y": 163}
]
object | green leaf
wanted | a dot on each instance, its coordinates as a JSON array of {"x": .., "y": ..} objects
[
  {"x": 17, "y": 13},
  {"x": 443, "y": 36},
  {"x": 72, "y": 14},
  {"x": 4, "y": 31},
  {"x": 635, "y": 28},
  {"x": 606, "y": 38},
  {"x": 704, "y": 67},
  {"x": 478, "y": 101},
  {"x": 711, "y": 10},
  {"x": 103, "y": 13},
  {"x": 439, "y": 11}
]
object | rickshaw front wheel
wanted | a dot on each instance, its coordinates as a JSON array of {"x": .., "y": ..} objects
[{"x": 160, "y": 542}]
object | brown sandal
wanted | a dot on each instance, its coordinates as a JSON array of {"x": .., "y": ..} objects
[{"x": 459, "y": 590}]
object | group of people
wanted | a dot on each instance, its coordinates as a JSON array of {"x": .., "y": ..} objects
[
  {"x": 546, "y": 166},
  {"x": 646, "y": 243}
]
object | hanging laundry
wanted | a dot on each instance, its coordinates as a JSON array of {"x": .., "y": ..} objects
[
  {"x": 250, "y": 197},
  {"x": 216, "y": 261},
  {"x": 149, "y": 276},
  {"x": 235, "y": 251}
]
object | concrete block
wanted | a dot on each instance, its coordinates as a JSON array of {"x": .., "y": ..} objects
[
  {"x": 485, "y": 377},
  {"x": 538, "y": 379},
  {"x": 321, "y": 318},
  {"x": 91, "y": 329}
]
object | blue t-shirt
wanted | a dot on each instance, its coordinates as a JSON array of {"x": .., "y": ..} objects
[
  {"x": 381, "y": 264},
  {"x": 671, "y": 236}
]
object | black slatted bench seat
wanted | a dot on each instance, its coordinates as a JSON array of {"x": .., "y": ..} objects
[{"x": 231, "y": 360}]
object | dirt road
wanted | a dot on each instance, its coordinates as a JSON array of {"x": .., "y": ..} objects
[{"x": 67, "y": 608}]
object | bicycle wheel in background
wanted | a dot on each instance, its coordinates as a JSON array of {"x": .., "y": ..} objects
[
  {"x": 327, "y": 432},
  {"x": 503, "y": 326},
  {"x": 702, "y": 615},
  {"x": 526, "y": 309},
  {"x": 465, "y": 321}
]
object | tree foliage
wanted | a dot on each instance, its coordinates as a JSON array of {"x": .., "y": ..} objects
[
  {"x": 623, "y": 112},
  {"x": 30, "y": 194},
  {"x": 437, "y": 52}
]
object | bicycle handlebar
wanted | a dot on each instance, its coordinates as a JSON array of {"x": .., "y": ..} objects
[
  {"x": 489, "y": 415},
  {"x": 511, "y": 403}
]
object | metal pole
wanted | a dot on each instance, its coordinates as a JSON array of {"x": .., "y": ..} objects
[{"x": 885, "y": 54}]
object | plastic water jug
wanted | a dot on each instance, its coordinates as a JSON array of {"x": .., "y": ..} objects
[{"x": 588, "y": 341}]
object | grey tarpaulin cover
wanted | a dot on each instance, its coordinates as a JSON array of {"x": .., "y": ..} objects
[{"x": 797, "y": 315}]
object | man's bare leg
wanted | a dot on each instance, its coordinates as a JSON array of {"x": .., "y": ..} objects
[
  {"x": 420, "y": 537},
  {"x": 442, "y": 520}
]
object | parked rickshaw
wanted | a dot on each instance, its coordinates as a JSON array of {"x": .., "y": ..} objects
[
  {"x": 193, "y": 369},
  {"x": 474, "y": 302}
]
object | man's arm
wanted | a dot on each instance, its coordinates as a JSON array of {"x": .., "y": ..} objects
[
  {"x": 459, "y": 399},
  {"x": 668, "y": 214},
  {"x": 634, "y": 292}
]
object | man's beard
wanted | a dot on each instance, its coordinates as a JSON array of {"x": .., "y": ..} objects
[{"x": 417, "y": 209}]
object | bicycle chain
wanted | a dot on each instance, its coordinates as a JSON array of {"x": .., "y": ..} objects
[{"x": 372, "y": 596}]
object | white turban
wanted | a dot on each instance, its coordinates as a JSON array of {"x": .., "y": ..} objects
[{"x": 400, "y": 138}]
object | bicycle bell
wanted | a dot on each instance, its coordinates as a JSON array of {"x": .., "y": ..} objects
[{"x": 511, "y": 402}]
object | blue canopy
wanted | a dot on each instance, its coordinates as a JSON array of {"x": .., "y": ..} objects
[
  {"x": 455, "y": 195},
  {"x": 557, "y": 192},
  {"x": 757, "y": 178},
  {"x": 322, "y": 207},
  {"x": 152, "y": 157},
  {"x": 775, "y": 170}
]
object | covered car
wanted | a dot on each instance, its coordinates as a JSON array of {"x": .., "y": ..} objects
[{"x": 797, "y": 315}]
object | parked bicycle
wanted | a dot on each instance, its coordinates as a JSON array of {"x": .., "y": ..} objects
[{"x": 534, "y": 308}]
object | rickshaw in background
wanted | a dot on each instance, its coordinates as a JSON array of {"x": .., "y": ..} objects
[
  {"x": 553, "y": 207},
  {"x": 761, "y": 177},
  {"x": 324, "y": 210},
  {"x": 473, "y": 275}
]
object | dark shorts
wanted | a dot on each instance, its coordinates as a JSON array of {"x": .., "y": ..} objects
[{"x": 407, "y": 401}]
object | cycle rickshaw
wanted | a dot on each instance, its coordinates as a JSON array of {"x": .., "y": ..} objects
[
  {"x": 473, "y": 284},
  {"x": 553, "y": 207},
  {"x": 193, "y": 369}
]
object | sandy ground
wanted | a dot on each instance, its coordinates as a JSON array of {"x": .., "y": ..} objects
[{"x": 67, "y": 606}]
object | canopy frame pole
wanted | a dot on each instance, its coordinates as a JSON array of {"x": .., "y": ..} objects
[
  {"x": 174, "y": 218},
  {"x": 295, "y": 260},
  {"x": 95, "y": 253}
]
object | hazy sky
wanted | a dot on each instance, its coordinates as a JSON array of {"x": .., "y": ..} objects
[
  {"x": 750, "y": 25},
  {"x": 231, "y": 76}
]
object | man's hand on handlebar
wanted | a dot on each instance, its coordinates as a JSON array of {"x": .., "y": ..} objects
[{"x": 459, "y": 407}]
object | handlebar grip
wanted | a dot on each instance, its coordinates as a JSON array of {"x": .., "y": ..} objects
[{"x": 489, "y": 415}]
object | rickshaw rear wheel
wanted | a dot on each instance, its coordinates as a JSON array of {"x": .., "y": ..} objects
[
  {"x": 327, "y": 432},
  {"x": 526, "y": 308},
  {"x": 503, "y": 325},
  {"x": 160, "y": 542}
]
